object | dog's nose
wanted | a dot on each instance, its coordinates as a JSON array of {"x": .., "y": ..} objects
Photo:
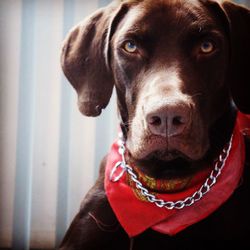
[{"x": 170, "y": 120}]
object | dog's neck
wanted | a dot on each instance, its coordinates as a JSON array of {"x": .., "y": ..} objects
[{"x": 220, "y": 132}]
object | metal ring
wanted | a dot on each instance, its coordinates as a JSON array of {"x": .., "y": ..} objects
[{"x": 118, "y": 177}]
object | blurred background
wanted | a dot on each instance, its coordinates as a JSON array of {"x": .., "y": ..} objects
[{"x": 49, "y": 152}]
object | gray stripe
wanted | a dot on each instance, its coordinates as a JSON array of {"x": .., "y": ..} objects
[
  {"x": 26, "y": 115},
  {"x": 102, "y": 3},
  {"x": 63, "y": 169}
]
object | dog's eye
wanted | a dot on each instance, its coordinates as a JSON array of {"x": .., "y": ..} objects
[
  {"x": 207, "y": 47},
  {"x": 130, "y": 47}
]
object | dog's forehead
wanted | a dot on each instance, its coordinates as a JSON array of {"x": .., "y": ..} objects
[{"x": 148, "y": 14}]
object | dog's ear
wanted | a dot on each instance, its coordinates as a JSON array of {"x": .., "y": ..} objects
[
  {"x": 85, "y": 59},
  {"x": 239, "y": 71}
]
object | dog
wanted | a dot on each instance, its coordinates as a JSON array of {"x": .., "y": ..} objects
[{"x": 181, "y": 72}]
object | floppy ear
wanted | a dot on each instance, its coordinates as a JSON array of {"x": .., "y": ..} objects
[
  {"x": 239, "y": 78},
  {"x": 84, "y": 59}
]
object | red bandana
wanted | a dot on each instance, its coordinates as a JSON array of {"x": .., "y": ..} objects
[{"x": 136, "y": 214}]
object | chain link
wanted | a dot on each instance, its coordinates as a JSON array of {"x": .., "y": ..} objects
[{"x": 204, "y": 189}]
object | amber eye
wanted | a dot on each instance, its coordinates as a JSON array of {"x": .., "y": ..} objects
[
  {"x": 207, "y": 47},
  {"x": 130, "y": 47}
]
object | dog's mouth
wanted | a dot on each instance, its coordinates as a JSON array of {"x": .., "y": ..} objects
[
  {"x": 168, "y": 156},
  {"x": 168, "y": 165}
]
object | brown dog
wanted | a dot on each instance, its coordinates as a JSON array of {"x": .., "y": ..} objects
[{"x": 176, "y": 67}]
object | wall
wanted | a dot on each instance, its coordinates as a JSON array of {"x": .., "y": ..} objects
[{"x": 49, "y": 152}]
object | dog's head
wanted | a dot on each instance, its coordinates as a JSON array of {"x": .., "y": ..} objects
[{"x": 176, "y": 66}]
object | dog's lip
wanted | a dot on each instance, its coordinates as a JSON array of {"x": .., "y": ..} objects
[
  {"x": 173, "y": 160},
  {"x": 163, "y": 155},
  {"x": 167, "y": 149},
  {"x": 166, "y": 169},
  {"x": 168, "y": 155}
]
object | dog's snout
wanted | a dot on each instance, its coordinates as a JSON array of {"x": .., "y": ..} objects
[{"x": 169, "y": 120}]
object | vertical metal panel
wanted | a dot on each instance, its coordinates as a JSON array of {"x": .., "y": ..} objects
[
  {"x": 104, "y": 2},
  {"x": 64, "y": 150},
  {"x": 49, "y": 15},
  {"x": 26, "y": 111},
  {"x": 10, "y": 22}
]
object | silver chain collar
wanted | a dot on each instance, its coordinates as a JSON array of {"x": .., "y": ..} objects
[{"x": 205, "y": 188}]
